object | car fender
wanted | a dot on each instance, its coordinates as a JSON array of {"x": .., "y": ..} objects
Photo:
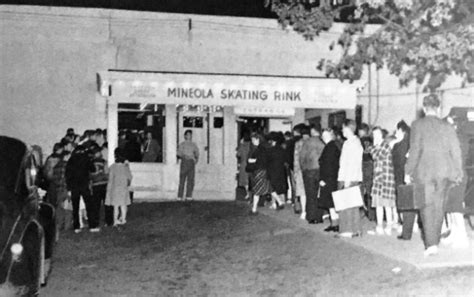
[{"x": 47, "y": 219}]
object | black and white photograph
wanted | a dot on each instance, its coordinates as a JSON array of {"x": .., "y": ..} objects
[{"x": 236, "y": 148}]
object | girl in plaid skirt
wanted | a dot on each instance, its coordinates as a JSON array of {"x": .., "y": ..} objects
[{"x": 383, "y": 188}]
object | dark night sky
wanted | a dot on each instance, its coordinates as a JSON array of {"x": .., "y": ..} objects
[{"x": 247, "y": 8}]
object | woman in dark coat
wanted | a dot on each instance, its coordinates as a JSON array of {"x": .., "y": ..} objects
[
  {"x": 399, "y": 159},
  {"x": 256, "y": 166},
  {"x": 276, "y": 171},
  {"x": 329, "y": 167}
]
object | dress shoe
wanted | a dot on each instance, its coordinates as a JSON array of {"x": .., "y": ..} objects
[
  {"x": 332, "y": 229},
  {"x": 402, "y": 238}
]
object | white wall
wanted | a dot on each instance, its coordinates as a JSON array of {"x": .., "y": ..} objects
[
  {"x": 50, "y": 57},
  {"x": 385, "y": 103}
]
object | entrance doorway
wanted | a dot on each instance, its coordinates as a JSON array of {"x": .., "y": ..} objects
[
  {"x": 251, "y": 124},
  {"x": 208, "y": 133},
  {"x": 262, "y": 125}
]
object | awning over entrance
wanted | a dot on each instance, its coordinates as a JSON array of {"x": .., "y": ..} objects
[{"x": 227, "y": 89}]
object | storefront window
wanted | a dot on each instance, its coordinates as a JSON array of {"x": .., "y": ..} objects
[
  {"x": 192, "y": 122},
  {"x": 142, "y": 132}
]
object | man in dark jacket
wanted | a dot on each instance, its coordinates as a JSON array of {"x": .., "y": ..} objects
[
  {"x": 309, "y": 163},
  {"x": 78, "y": 170},
  {"x": 435, "y": 162},
  {"x": 99, "y": 179}
]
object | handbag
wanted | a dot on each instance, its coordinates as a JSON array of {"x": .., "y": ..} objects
[
  {"x": 347, "y": 198},
  {"x": 411, "y": 197}
]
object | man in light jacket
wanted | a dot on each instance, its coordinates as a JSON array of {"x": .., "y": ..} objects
[{"x": 350, "y": 174}]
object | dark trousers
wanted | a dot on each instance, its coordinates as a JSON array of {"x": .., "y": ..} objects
[
  {"x": 311, "y": 186},
  {"x": 408, "y": 223},
  {"x": 349, "y": 219},
  {"x": 186, "y": 175},
  {"x": 370, "y": 212},
  {"x": 76, "y": 194},
  {"x": 98, "y": 195},
  {"x": 432, "y": 215}
]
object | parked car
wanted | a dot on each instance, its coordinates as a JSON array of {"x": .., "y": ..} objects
[{"x": 27, "y": 225}]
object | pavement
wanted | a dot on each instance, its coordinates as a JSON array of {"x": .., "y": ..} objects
[{"x": 410, "y": 252}]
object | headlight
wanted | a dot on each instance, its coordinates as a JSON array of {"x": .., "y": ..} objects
[{"x": 16, "y": 249}]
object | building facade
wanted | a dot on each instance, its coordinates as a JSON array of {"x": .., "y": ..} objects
[{"x": 88, "y": 68}]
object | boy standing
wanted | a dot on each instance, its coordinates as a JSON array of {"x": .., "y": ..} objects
[{"x": 188, "y": 152}]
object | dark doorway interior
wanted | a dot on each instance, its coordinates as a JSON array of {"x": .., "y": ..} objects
[{"x": 251, "y": 124}]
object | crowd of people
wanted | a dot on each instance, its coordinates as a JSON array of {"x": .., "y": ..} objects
[
  {"x": 78, "y": 182},
  {"x": 308, "y": 166}
]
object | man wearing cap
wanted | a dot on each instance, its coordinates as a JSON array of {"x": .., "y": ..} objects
[{"x": 435, "y": 162}]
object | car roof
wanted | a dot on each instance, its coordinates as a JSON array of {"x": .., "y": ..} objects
[{"x": 12, "y": 153}]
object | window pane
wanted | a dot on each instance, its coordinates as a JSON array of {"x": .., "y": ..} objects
[
  {"x": 192, "y": 122},
  {"x": 141, "y": 131},
  {"x": 218, "y": 122}
]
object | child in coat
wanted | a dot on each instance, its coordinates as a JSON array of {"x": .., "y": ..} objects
[{"x": 118, "y": 195}]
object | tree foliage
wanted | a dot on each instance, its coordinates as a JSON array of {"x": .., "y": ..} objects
[{"x": 422, "y": 40}]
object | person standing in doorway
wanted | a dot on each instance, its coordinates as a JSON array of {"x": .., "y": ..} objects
[
  {"x": 242, "y": 156},
  {"x": 256, "y": 166},
  {"x": 434, "y": 162},
  {"x": 188, "y": 152}
]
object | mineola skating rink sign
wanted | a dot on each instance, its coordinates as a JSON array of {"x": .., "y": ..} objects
[{"x": 228, "y": 90}]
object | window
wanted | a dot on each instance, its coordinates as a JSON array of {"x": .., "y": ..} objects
[
  {"x": 218, "y": 122},
  {"x": 193, "y": 122},
  {"x": 142, "y": 132}
]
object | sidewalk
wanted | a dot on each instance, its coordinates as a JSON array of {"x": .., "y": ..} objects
[{"x": 410, "y": 252}]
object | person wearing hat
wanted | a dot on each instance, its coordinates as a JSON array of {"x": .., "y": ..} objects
[{"x": 434, "y": 162}]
